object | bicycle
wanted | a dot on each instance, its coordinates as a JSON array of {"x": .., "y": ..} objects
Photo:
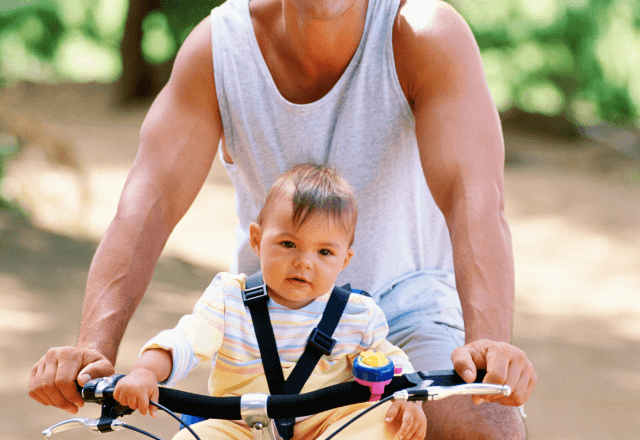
[{"x": 259, "y": 410}]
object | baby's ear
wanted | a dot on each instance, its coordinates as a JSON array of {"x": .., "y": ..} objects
[
  {"x": 255, "y": 235},
  {"x": 347, "y": 258}
]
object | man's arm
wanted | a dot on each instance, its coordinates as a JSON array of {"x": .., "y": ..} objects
[
  {"x": 462, "y": 154},
  {"x": 178, "y": 142}
]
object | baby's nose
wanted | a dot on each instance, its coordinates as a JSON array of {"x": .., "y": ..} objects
[{"x": 303, "y": 259}]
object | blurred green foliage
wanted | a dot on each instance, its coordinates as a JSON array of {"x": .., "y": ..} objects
[
  {"x": 79, "y": 40},
  {"x": 9, "y": 148},
  {"x": 166, "y": 28},
  {"x": 54, "y": 40},
  {"x": 576, "y": 58},
  {"x": 579, "y": 59}
]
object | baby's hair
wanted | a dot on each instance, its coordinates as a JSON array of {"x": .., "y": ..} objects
[{"x": 314, "y": 189}]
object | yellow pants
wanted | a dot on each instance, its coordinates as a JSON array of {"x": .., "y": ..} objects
[{"x": 371, "y": 426}]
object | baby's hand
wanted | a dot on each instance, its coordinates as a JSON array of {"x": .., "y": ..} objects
[
  {"x": 414, "y": 422},
  {"x": 136, "y": 389}
]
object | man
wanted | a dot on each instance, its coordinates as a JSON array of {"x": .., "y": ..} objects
[{"x": 393, "y": 95}]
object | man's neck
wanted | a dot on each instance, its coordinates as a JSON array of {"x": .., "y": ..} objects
[
  {"x": 323, "y": 37},
  {"x": 306, "y": 47}
]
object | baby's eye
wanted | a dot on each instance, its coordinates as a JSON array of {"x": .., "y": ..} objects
[
  {"x": 325, "y": 252},
  {"x": 287, "y": 244}
]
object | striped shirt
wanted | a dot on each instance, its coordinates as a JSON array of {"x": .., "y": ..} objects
[{"x": 220, "y": 329}]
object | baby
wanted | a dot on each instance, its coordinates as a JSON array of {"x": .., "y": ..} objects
[{"x": 303, "y": 237}]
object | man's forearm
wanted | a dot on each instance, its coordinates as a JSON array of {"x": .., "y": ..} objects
[
  {"x": 483, "y": 260},
  {"x": 119, "y": 276}
]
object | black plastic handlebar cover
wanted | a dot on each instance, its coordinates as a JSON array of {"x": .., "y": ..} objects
[
  {"x": 226, "y": 408},
  {"x": 301, "y": 404},
  {"x": 448, "y": 378}
]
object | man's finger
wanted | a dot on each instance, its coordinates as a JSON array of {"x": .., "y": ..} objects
[
  {"x": 94, "y": 367},
  {"x": 50, "y": 384},
  {"x": 498, "y": 361},
  {"x": 35, "y": 388},
  {"x": 53, "y": 378},
  {"x": 532, "y": 382},
  {"x": 519, "y": 390},
  {"x": 524, "y": 387},
  {"x": 464, "y": 362},
  {"x": 65, "y": 381},
  {"x": 517, "y": 378},
  {"x": 505, "y": 364}
]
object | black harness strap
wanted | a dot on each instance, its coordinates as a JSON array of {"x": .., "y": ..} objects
[
  {"x": 256, "y": 299},
  {"x": 319, "y": 342}
]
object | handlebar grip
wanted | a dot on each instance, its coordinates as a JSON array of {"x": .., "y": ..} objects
[
  {"x": 227, "y": 408},
  {"x": 448, "y": 378}
]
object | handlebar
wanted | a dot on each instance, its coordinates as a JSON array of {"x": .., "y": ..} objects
[
  {"x": 419, "y": 386},
  {"x": 415, "y": 386}
]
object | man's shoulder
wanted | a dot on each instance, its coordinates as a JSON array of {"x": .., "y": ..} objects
[
  {"x": 198, "y": 42},
  {"x": 191, "y": 81},
  {"x": 430, "y": 40},
  {"x": 427, "y": 17}
]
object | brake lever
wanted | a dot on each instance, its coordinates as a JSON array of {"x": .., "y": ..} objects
[
  {"x": 79, "y": 422},
  {"x": 424, "y": 391},
  {"x": 99, "y": 391},
  {"x": 471, "y": 389}
]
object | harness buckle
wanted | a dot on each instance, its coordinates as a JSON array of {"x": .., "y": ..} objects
[
  {"x": 255, "y": 294},
  {"x": 321, "y": 341}
]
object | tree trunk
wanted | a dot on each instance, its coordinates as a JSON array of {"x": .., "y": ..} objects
[{"x": 139, "y": 81}]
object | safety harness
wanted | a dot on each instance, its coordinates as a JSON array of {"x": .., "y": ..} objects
[{"x": 320, "y": 342}]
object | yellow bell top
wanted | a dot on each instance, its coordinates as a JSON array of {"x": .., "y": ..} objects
[{"x": 373, "y": 358}]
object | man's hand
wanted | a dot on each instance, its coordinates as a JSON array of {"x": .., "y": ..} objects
[
  {"x": 53, "y": 377},
  {"x": 414, "y": 422},
  {"x": 505, "y": 365}
]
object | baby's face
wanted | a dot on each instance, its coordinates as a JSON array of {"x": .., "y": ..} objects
[{"x": 299, "y": 264}]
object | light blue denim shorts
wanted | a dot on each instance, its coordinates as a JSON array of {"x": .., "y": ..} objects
[{"x": 425, "y": 318}]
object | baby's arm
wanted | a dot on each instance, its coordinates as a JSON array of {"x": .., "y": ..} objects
[
  {"x": 414, "y": 422},
  {"x": 141, "y": 385}
]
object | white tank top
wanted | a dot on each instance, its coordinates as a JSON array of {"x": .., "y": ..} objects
[{"x": 363, "y": 128}]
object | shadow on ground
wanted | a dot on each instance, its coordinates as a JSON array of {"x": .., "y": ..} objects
[
  {"x": 588, "y": 378},
  {"x": 47, "y": 262},
  {"x": 43, "y": 276}
]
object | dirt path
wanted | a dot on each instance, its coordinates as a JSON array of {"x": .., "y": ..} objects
[{"x": 576, "y": 234}]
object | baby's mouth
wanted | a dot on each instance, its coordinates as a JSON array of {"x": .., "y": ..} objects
[{"x": 299, "y": 280}]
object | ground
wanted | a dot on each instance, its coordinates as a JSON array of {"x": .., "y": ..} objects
[{"x": 573, "y": 207}]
